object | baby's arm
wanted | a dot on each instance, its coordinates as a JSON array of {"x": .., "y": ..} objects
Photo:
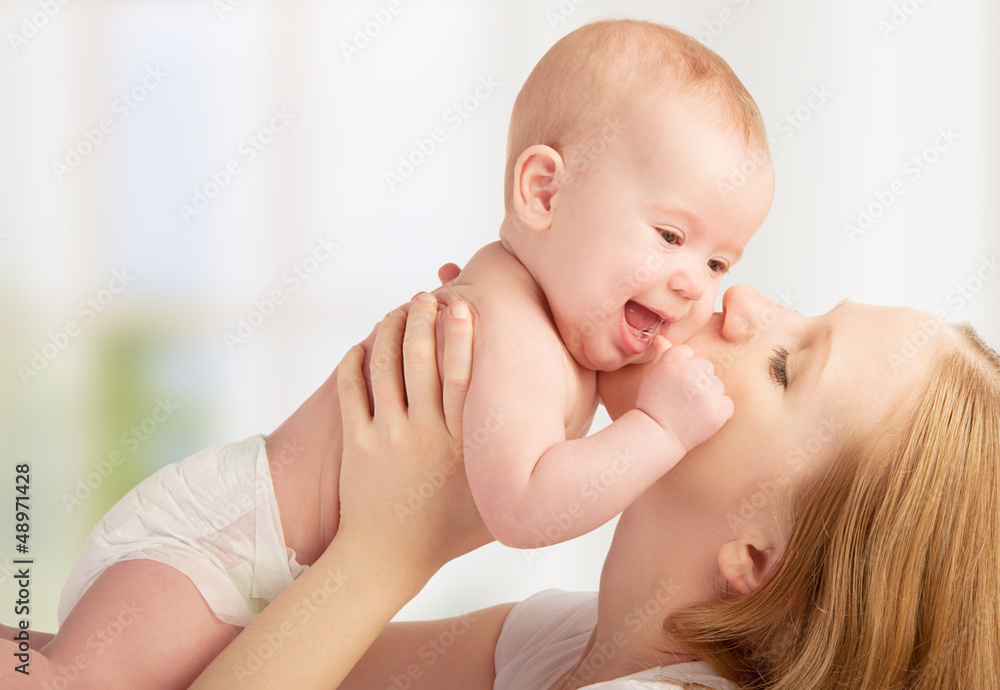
[{"x": 533, "y": 487}]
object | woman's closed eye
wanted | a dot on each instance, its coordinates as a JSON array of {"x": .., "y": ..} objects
[{"x": 778, "y": 361}]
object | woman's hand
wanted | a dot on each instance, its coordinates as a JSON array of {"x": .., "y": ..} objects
[
  {"x": 402, "y": 481},
  {"x": 405, "y": 511}
]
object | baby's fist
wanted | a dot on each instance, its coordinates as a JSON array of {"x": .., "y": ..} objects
[{"x": 684, "y": 396}]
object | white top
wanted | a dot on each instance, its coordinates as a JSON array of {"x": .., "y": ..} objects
[{"x": 545, "y": 635}]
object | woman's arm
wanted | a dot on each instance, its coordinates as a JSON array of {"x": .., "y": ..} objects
[
  {"x": 314, "y": 633},
  {"x": 448, "y": 654}
]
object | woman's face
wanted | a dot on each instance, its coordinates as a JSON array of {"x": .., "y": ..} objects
[{"x": 797, "y": 383}]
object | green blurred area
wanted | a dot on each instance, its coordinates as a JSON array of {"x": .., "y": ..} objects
[{"x": 107, "y": 413}]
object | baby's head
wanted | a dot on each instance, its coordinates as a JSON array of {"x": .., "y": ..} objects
[{"x": 637, "y": 170}]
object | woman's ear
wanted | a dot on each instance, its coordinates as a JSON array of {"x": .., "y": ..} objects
[
  {"x": 538, "y": 177},
  {"x": 745, "y": 562}
]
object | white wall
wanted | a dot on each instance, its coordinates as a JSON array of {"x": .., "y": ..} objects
[{"x": 221, "y": 76}]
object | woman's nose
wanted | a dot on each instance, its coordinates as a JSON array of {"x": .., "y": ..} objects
[{"x": 746, "y": 313}]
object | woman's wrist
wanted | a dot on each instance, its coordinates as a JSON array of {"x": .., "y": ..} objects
[
  {"x": 394, "y": 568},
  {"x": 334, "y": 611}
]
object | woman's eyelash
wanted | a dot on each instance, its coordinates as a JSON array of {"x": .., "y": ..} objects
[{"x": 778, "y": 360}]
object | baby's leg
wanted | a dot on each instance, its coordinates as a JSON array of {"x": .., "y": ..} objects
[
  {"x": 142, "y": 624},
  {"x": 36, "y": 640}
]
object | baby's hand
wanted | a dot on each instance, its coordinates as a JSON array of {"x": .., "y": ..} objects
[{"x": 683, "y": 395}]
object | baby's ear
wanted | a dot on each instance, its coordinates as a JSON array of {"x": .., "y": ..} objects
[{"x": 538, "y": 176}]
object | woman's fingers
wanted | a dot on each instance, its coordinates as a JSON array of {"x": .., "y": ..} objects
[
  {"x": 352, "y": 391},
  {"x": 457, "y": 365},
  {"x": 423, "y": 386},
  {"x": 386, "y": 369}
]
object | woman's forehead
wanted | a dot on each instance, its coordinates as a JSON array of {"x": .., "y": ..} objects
[{"x": 877, "y": 355}]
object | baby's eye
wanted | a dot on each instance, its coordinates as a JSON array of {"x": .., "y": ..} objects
[
  {"x": 717, "y": 266},
  {"x": 670, "y": 237},
  {"x": 778, "y": 361}
]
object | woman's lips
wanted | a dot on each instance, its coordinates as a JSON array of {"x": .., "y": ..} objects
[{"x": 638, "y": 328}]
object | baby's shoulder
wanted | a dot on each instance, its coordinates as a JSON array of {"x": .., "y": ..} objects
[{"x": 501, "y": 293}]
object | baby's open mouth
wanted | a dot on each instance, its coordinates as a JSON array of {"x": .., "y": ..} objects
[{"x": 643, "y": 325}]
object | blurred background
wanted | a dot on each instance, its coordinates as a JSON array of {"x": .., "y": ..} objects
[{"x": 168, "y": 166}]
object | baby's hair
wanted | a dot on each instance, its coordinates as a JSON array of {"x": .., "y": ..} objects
[{"x": 579, "y": 86}]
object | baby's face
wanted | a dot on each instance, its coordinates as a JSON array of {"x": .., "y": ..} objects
[{"x": 642, "y": 236}]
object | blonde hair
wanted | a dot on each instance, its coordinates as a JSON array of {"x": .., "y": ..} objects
[
  {"x": 580, "y": 83},
  {"x": 891, "y": 576}
]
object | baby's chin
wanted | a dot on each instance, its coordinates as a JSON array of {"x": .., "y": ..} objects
[{"x": 612, "y": 360}]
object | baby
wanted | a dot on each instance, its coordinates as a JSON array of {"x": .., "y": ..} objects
[
  {"x": 621, "y": 219},
  {"x": 620, "y": 223}
]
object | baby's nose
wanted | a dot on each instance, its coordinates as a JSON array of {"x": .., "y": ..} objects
[{"x": 688, "y": 282}]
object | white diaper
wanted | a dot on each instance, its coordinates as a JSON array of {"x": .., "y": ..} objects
[{"x": 213, "y": 517}]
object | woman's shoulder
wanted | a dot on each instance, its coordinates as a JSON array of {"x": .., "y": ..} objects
[
  {"x": 553, "y": 613},
  {"x": 542, "y": 637},
  {"x": 545, "y": 635}
]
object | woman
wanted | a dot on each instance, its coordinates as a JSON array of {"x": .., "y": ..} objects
[{"x": 840, "y": 531}]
